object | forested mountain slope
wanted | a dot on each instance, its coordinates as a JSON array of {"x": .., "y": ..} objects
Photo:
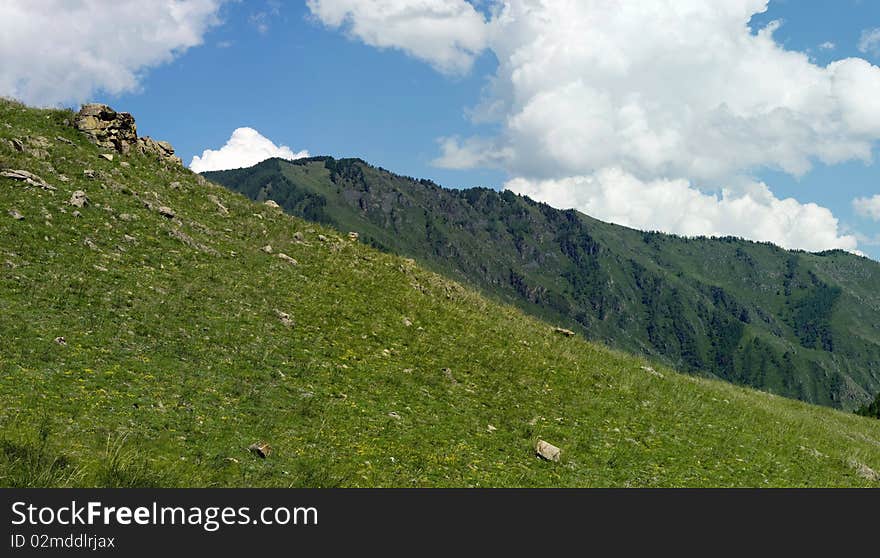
[{"x": 797, "y": 324}]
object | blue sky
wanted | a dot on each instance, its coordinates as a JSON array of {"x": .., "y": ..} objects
[
  {"x": 304, "y": 86},
  {"x": 305, "y": 81}
]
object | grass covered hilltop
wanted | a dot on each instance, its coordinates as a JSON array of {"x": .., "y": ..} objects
[{"x": 152, "y": 335}]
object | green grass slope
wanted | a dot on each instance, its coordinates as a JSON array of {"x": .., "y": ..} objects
[
  {"x": 175, "y": 358},
  {"x": 801, "y": 325}
]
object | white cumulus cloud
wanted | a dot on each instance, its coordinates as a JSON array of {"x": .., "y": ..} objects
[
  {"x": 868, "y": 207},
  {"x": 245, "y": 148},
  {"x": 675, "y": 206},
  {"x": 668, "y": 88},
  {"x": 59, "y": 51},
  {"x": 446, "y": 33},
  {"x": 666, "y": 92}
]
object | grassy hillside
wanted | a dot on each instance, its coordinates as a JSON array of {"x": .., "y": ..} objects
[
  {"x": 801, "y": 325},
  {"x": 175, "y": 358}
]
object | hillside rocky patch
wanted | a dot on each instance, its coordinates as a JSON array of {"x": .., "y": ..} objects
[{"x": 109, "y": 129}]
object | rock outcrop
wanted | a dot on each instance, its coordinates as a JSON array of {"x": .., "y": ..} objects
[
  {"x": 117, "y": 130},
  {"x": 160, "y": 149},
  {"x": 27, "y": 177},
  {"x": 106, "y": 127}
]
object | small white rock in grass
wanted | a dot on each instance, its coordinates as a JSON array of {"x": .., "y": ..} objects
[
  {"x": 61, "y": 340},
  {"x": 272, "y": 204},
  {"x": 868, "y": 473},
  {"x": 563, "y": 331},
  {"x": 653, "y": 372},
  {"x": 220, "y": 207},
  {"x": 395, "y": 415},
  {"x": 284, "y": 317},
  {"x": 79, "y": 199},
  {"x": 107, "y": 156},
  {"x": 286, "y": 258},
  {"x": 15, "y": 214},
  {"x": 491, "y": 428},
  {"x": 864, "y": 471},
  {"x": 547, "y": 451},
  {"x": 267, "y": 248},
  {"x": 261, "y": 449},
  {"x": 812, "y": 451}
]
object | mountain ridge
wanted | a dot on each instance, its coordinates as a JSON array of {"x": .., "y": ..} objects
[{"x": 796, "y": 323}]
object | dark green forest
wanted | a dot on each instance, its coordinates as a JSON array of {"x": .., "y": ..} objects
[{"x": 872, "y": 410}]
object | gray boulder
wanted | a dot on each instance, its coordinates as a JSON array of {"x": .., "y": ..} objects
[
  {"x": 79, "y": 199},
  {"x": 547, "y": 451}
]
